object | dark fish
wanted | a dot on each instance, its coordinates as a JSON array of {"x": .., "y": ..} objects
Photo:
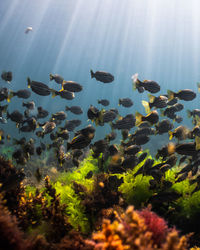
[
  {"x": 163, "y": 126},
  {"x": 92, "y": 113},
  {"x": 39, "y": 150},
  {"x": 130, "y": 161},
  {"x": 61, "y": 115},
  {"x": 88, "y": 131},
  {"x": 99, "y": 146},
  {"x": 89, "y": 175},
  {"x": 22, "y": 93},
  {"x": 31, "y": 122},
  {"x": 3, "y": 109},
  {"x": 193, "y": 113},
  {"x": 4, "y": 92},
  {"x": 7, "y": 76},
  {"x": 181, "y": 133},
  {"x": 149, "y": 85},
  {"x": 143, "y": 131},
  {"x": 39, "y": 88},
  {"x": 102, "y": 76},
  {"x": 178, "y": 107},
  {"x": 21, "y": 141},
  {"x": 78, "y": 142},
  {"x": 157, "y": 102},
  {"x": 126, "y": 122},
  {"x": 106, "y": 116},
  {"x": 187, "y": 148},
  {"x": 141, "y": 139},
  {"x": 65, "y": 94},
  {"x": 71, "y": 86},
  {"x": 77, "y": 110},
  {"x": 152, "y": 118},
  {"x": 29, "y": 105},
  {"x": 64, "y": 134},
  {"x": 178, "y": 119},
  {"x": 57, "y": 78},
  {"x": 72, "y": 124},
  {"x": 166, "y": 196},
  {"x": 142, "y": 157},
  {"x": 42, "y": 113},
  {"x": 126, "y": 102},
  {"x": 15, "y": 116},
  {"x": 137, "y": 84},
  {"x": 113, "y": 150},
  {"x": 132, "y": 150},
  {"x": 185, "y": 94},
  {"x": 125, "y": 134},
  {"x": 111, "y": 136},
  {"x": 172, "y": 101},
  {"x": 145, "y": 167},
  {"x": 104, "y": 102}
]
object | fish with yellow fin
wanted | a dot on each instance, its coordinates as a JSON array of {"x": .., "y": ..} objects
[{"x": 152, "y": 117}]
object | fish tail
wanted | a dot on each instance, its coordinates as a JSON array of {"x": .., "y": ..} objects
[
  {"x": 68, "y": 146},
  {"x": 146, "y": 106},
  {"x": 138, "y": 118},
  {"x": 151, "y": 98},
  {"x": 170, "y": 95},
  {"x": 54, "y": 93},
  {"x": 4, "y": 108},
  {"x": 51, "y": 77},
  {"x": 10, "y": 96},
  {"x": 197, "y": 142},
  {"x": 171, "y": 134},
  {"x": 29, "y": 82},
  {"x": 189, "y": 113},
  {"x": 67, "y": 108},
  {"x": 198, "y": 86},
  {"x": 92, "y": 74}
]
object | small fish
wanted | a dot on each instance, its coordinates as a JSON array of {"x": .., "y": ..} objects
[
  {"x": 39, "y": 87},
  {"x": 193, "y": 113},
  {"x": 72, "y": 124},
  {"x": 61, "y": 155},
  {"x": 181, "y": 133},
  {"x": 141, "y": 139},
  {"x": 185, "y": 94},
  {"x": 111, "y": 136},
  {"x": 71, "y": 86},
  {"x": 178, "y": 119},
  {"x": 125, "y": 134},
  {"x": 77, "y": 110},
  {"x": 15, "y": 116},
  {"x": 61, "y": 115},
  {"x": 126, "y": 102},
  {"x": 99, "y": 147},
  {"x": 172, "y": 101},
  {"x": 157, "y": 102},
  {"x": 126, "y": 122},
  {"x": 88, "y": 131},
  {"x": 187, "y": 148},
  {"x": 7, "y": 76},
  {"x": 142, "y": 157},
  {"x": 57, "y": 78},
  {"x": 4, "y": 92},
  {"x": 22, "y": 93},
  {"x": 165, "y": 196},
  {"x": 42, "y": 113},
  {"x": 149, "y": 85},
  {"x": 102, "y": 76},
  {"x": 178, "y": 107},
  {"x": 65, "y": 94},
  {"x": 152, "y": 118},
  {"x": 29, "y": 105},
  {"x": 28, "y": 29},
  {"x": 64, "y": 134},
  {"x": 106, "y": 116},
  {"x": 143, "y": 131},
  {"x": 113, "y": 150},
  {"x": 163, "y": 126},
  {"x": 104, "y": 102},
  {"x": 132, "y": 150},
  {"x": 92, "y": 113},
  {"x": 137, "y": 83},
  {"x": 48, "y": 127},
  {"x": 78, "y": 142},
  {"x": 3, "y": 120}
]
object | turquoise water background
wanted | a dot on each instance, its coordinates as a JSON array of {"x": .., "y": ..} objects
[{"x": 159, "y": 39}]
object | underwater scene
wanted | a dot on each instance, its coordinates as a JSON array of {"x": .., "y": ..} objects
[{"x": 99, "y": 125}]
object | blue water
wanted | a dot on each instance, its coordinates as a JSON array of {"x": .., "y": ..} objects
[{"x": 158, "y": 39}]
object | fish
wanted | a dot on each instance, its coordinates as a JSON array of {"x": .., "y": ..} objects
[
  {"x": 172, "y": 101},
  {"x": 126, "y": 102},
  {"x": 178, "y": 107},
  {"x": 104, "y": 102},
  {"x": 72, "y": 124},
  {"x": 29, "y": 105},
  {"x": 77, "y": 110},
  {"x": 3, "y": 120},
  {"x": 7, "y": 76},
  {"x": 111, "y": 136},
  {"x": 125, "y": 134},
  {"x": 88, "y": 131},
  {"x": 178, "y": 119},
  {"x": 163, "y": 126},
  {"x": 99, "y": 146},
  {"x": 92, "y": 113},
  {"x": 4, "y": 92},
  {"x": 186, "y": 148},
  {"x": 61, "y": 154},
  {"x": 71, "y": 86},
  {"x": 28, "y": 29},
  {"x": 149, "y": 85},
  {"x": 15, "y": 116},
  {"x": 22, "y": 93},
  {"x": 143, "y": 131},
  {"x": 132, "y": 150},
  {"x": 60, "y": 115},
  {"x": 102, "y": 76},
  {"x": 141, "y": 139},
  {"x": 165, "y": 196},
  {"x": 185, "y": 95},
  {"x": 126, "y": 122},
  {"x": 193, "y": 113},
  {"x": 57, "y": 78},
  {"x": 137, "y": 84},
  {"x": 64, "y": 94},
  {"x": 142, "y": 157},
  {"x": 39, "y": 88},
  {"x": 181, "y": 133},
  {"x": 48, "y": 127},
  {"x": 157, "y": 102},
  {"x": 42, "y": 113},
  {"x": 106, "y": 116},
  {"x": 152, "y": 118},
  {"x": 64, "y": 134},
  {"x": 80, "y": 141}
]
